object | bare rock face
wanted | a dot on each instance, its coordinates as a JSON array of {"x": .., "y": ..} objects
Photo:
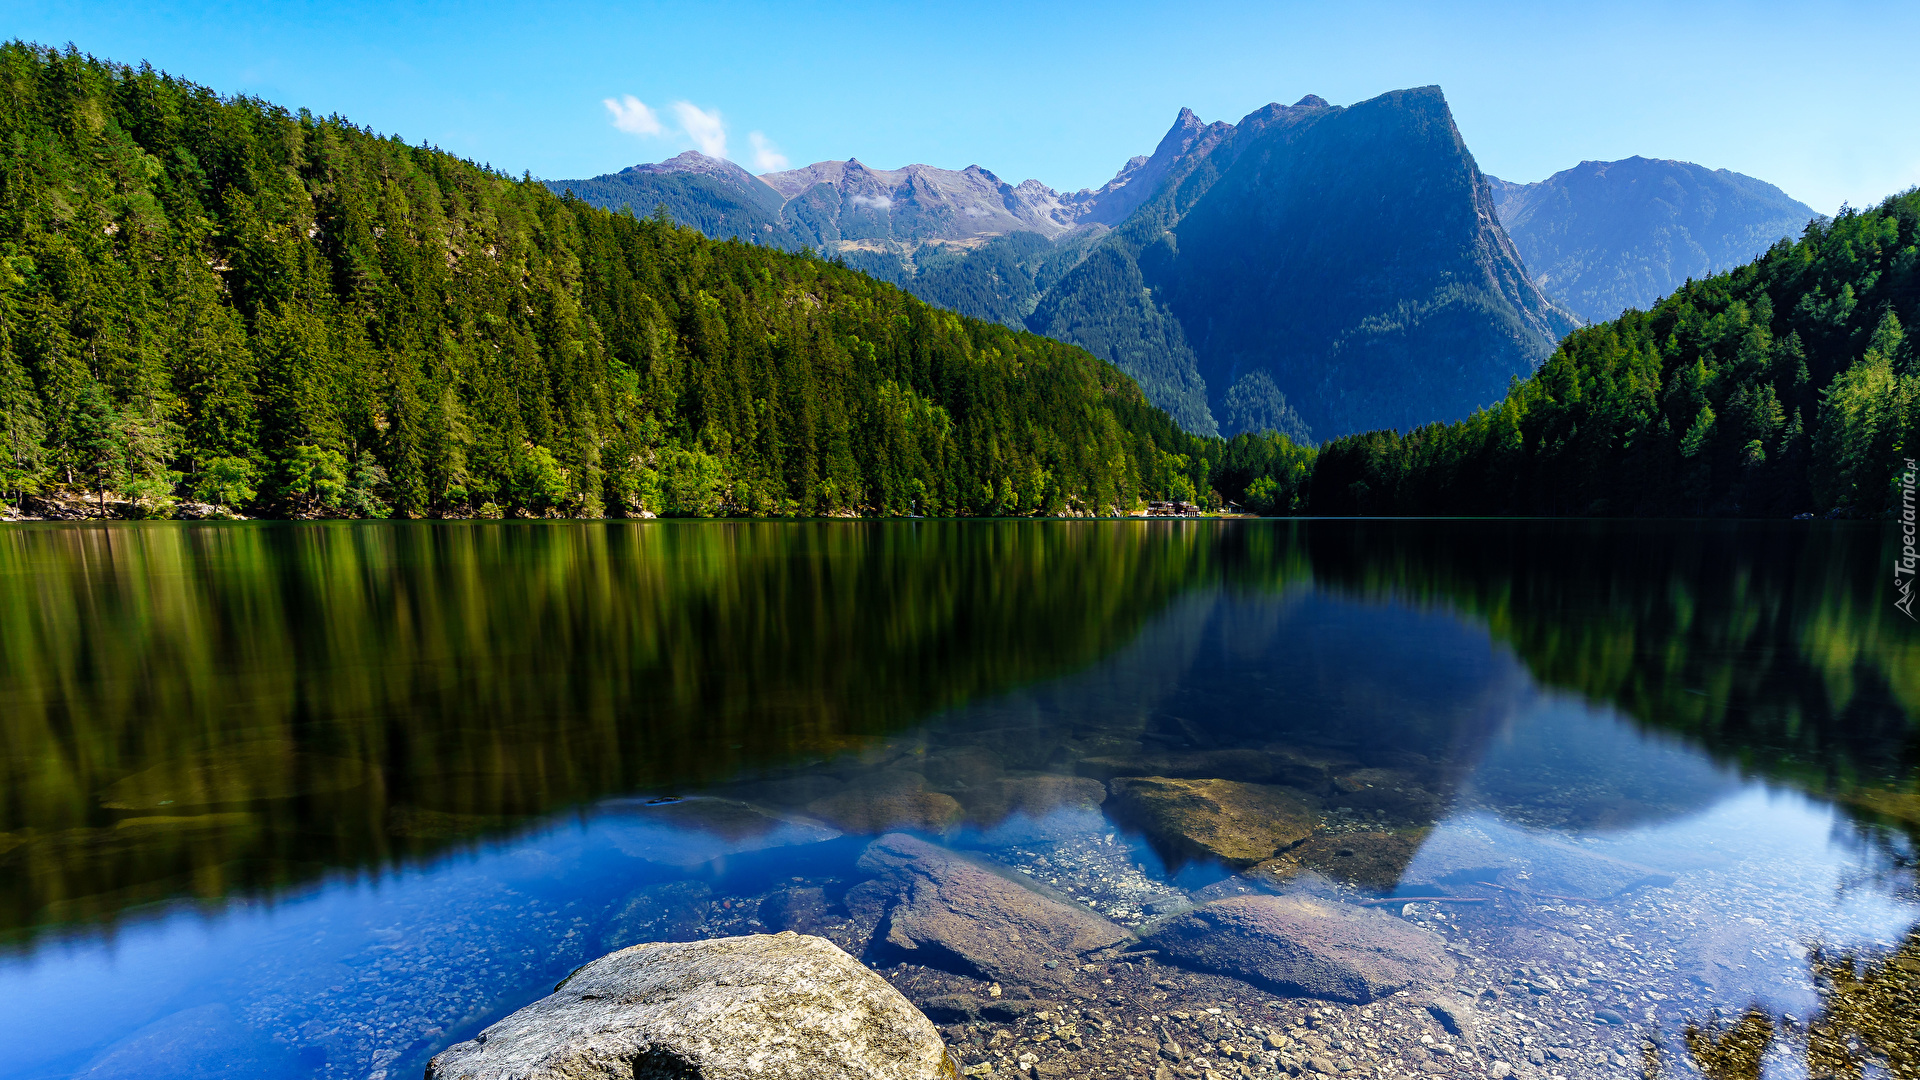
[
  {"x": 1238, "y": 824},
  {"x": 1305, "y": 945},
  {"x": 784, "y": 1005},
  {"x": 948, "y": 911}
]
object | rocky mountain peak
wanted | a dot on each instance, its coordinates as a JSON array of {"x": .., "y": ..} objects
[
  {"x": 698, "y": 164},
  {"x": 1311, "y": 101}
]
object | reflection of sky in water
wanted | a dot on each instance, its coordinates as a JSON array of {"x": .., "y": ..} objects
[{"x": 369, "y": 977}]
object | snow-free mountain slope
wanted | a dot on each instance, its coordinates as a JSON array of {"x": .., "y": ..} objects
[{"x": 1606, "y": 236}]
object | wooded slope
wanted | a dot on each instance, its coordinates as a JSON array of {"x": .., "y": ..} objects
[{"x": 214, "y": 298}]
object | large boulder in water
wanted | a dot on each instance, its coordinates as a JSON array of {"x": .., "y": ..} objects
[
  {"x": 940, "y": 908},
  {"x": 784, "y": 1005},
  {"x": 1304, "y": 945}
]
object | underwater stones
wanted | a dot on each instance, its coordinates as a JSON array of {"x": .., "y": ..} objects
[
  {"x": 1482, "y": 857},
  {"x": 945, "y": 910},
  {"x": 201, "y": 1043},
  {"x": 1397, "y": 792},
  {"x": 962, "y": 767},
  {"x": 802, "y": 909},
  {"x": 669, "y": 911},
  {"x": 691, "y": 831},
  {"x": 1368, "y": 860},
  {"x": 784, "y": 1005},
  {"x": 1251, "y": 766},
  {"x": 886, "y": 799},
  {"x": 1304, "y": 945},
  {"x": 1034, "y": 796},
  {"x": 1238, "y": 824}
]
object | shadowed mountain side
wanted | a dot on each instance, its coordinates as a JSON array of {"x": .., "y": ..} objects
[
  {"x": 1347, "y": 261},
  {"x": 1606, "y": 236}
]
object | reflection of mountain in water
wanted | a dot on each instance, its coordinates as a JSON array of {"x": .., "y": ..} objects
[{"x": 193, "y": 711}]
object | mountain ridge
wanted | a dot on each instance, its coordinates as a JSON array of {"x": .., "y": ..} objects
[{"x": 1612, "y": 235}]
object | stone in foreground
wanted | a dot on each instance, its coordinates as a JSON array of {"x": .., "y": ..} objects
[
  {"x": 1238, "y": 824},
  {"x": 783, "y": 1005},
  {"x": 951, "y": 912},
  {"x": 1303, "y": 945}
]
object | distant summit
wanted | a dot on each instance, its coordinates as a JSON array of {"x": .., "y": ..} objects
[
  {"x": 1605, "y": 236},
  {"x": 1312, "y": 269}
]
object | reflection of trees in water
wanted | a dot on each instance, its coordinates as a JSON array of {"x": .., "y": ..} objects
[
  {"x": 486, "y": 674},
  {"x": 1868, "y": 1021},
  {"x": 195, "y": 710},
  {"x": 1773, "y": 648}
]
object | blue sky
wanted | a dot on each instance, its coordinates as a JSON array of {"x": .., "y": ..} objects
[{"x": 1815, "y": 98}]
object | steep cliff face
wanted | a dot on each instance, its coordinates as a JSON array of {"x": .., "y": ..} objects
[
  {"x": 1606, "y": 236},
  {"x": 1314, "y": 267}
]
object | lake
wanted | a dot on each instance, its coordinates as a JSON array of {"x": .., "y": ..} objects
[{"x": 319, "y": 800}]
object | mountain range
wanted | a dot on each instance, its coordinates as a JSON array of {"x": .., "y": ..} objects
[
  {"x": 1606, "y": 236},
  {"x": 1314, "y": 269}
]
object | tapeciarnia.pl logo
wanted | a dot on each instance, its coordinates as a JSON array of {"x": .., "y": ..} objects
[{"x": 1903, "y": 566}]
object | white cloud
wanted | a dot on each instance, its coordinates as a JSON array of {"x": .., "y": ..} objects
[
  {"x": 878, "y": 202},
  {"x": 706, "y": 129},
  {"x": 632, "y": 116},
  {"x": 766, "y": 157}
]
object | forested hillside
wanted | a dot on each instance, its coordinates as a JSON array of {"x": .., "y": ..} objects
[
  {"x": 1789, "y": 385},
  {"x": 215, "y": 299}
]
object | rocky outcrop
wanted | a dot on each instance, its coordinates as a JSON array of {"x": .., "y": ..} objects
[
  {"x": 940, "y": 908},
  {"x": 783, "y": 1005},
  {"x": 1238, "y": 824},
  {"x": 1303, "y": 945}
]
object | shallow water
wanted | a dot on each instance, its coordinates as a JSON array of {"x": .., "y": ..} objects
[{"x": 320, "y": 800}]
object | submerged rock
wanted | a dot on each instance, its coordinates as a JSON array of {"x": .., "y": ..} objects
[
  {"x": 688, "y": 832},
  {"x": 1238, "y": 824},
  {"x": 945, "y": 910},
  {"x": 888, "y": 799},
  {"x": 1303, "y": 945},
  {"x": 801, "y": 908},
  {"x": 667, "y": 911},
  {"x": 1251, "y": 766},
  {"x": 1370, "y": 860},
  {"x": 1034, "y": 796},
  {"x": 783, "y": 1005}
]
